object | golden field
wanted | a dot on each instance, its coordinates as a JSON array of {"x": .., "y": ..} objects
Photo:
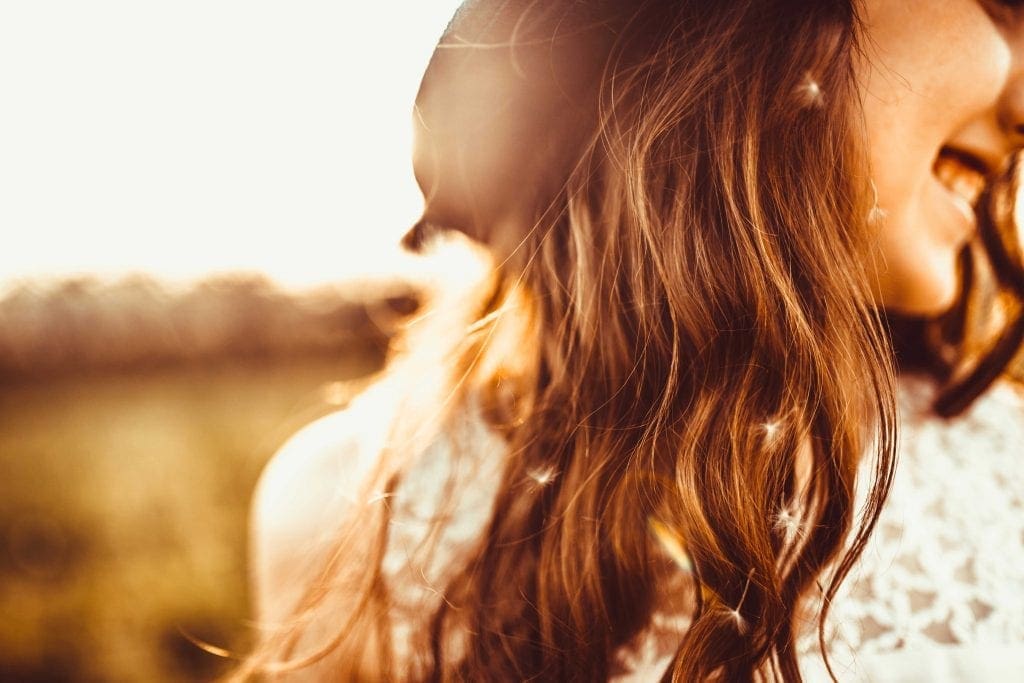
[{"x": 124, "y": 484}]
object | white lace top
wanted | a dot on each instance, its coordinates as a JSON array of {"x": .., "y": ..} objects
[{"x": 938, "y": 594}]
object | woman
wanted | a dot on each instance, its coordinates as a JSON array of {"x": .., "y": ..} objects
[{"x": 665, "y": 427}]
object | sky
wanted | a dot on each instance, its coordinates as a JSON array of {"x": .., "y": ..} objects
[{"x": 193, "y": 137}]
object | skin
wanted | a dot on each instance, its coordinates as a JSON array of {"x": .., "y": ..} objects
[{"x": 937, "y": 74}]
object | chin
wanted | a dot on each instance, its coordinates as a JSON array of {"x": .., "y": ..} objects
[
  {"x": 928, "y": 287},
  {"x": 926, "y": 297}
]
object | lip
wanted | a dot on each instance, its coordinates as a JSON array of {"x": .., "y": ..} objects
[
  {"x": 957, "y": 221},
  {"x": 970, "y": 159}
]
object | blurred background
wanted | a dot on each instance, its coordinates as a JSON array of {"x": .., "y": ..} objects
[{"x": 200, "y": 203}]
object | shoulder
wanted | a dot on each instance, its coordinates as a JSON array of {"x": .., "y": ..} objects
[
  {"x": 308, "y": 493},
  {"x": 308, "y": 489},
  {"x": 303, "y": 495}
]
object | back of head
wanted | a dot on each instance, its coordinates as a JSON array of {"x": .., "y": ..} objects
[{"x": 507, "y": 103}]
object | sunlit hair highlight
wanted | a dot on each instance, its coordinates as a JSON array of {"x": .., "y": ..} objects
[{"x": 680, "y": 349}]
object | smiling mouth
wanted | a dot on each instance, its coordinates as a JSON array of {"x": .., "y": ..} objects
[{"x": 964, "y": 176}]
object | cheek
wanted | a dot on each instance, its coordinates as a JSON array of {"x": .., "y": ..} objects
[{"x": 934, "y": 69}]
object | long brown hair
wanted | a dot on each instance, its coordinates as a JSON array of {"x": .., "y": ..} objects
[{"x": 677, "y": 340}]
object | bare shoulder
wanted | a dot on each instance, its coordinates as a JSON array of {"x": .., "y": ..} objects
[
  {"x": 306, "y": 496},
  {"x": 300, "y": 500}
]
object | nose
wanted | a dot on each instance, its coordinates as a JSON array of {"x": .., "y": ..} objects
[{"x": 1011, "y": 112}]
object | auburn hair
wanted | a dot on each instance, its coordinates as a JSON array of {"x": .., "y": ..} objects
[{"x": 676, "y": 330}]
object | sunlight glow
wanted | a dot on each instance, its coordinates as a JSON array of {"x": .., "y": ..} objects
[{"x": 189, "y": 138}]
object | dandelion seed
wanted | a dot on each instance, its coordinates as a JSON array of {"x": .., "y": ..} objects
[
  {"x": 771, "y": 430},
  {"x": 671, "y": 543},
  {"x": 737, "y": 617},
  {"x": 809, "y": 92},
  {"x": 378, "y": 496},
  {"x": 789, "y": 523},
  {"x": 543, "y": 475},
  {"x": 741, "y": 624}
]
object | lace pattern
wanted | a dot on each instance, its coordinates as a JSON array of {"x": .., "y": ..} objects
[
  {"x": 944, "y": 568},
  {"x": 456, "y": 478}
]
